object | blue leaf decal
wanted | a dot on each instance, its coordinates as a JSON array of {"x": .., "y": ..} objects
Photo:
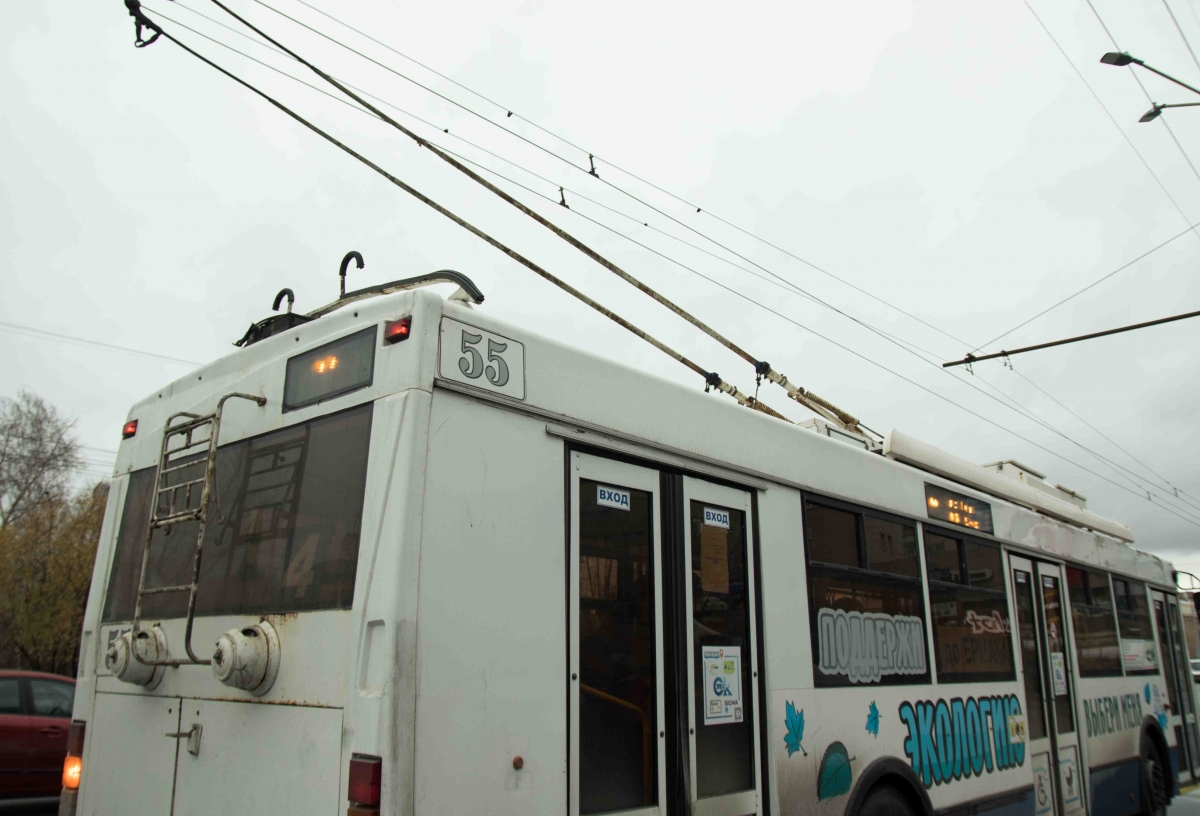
[
  {"x": 873, "y": 721},
  {"x": 1146, "y": 691},
  {"x": 795, "y": 730},
  {"x": 835, "y": 774}
]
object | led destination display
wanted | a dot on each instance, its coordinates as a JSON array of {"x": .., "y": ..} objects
[{"x": 956, "y": 508}]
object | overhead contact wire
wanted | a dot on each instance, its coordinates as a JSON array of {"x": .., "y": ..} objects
[
  {"x": 811, "y": 401},
  {"x": 710, "y": 377}
]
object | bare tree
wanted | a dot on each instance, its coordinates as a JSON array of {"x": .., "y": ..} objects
[
  {"x": 48, "y": 537},
  {"x": 37, "y": 457}
]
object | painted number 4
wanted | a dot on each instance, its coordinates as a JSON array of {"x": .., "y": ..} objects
[{"x": 471, "y": 364}]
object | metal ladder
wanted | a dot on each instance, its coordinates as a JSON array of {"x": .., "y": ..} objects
[{"x": 178, "y": 507}]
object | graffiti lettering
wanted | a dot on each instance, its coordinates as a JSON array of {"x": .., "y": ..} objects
[
  {"x": 1108, "y": 715},
  {"x": 961, "y": 738},
  {"x": 865, "y": 646},
  {"x": 993, "y": 624}
]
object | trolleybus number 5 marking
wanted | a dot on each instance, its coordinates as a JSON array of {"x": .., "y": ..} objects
[{"x": 471, "y": 363}]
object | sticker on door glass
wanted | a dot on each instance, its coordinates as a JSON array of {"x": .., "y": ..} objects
[
  {"x": 722, "y": 667},
  {"x": 1058, "y": 672},
  {"x": 1043, "y": 794},
  {"x": 715, "y": 517},
  {"x": 476, "y": 357},
  {"x": 612, "y": 497},
  {"x": 1068, "y": 775}
]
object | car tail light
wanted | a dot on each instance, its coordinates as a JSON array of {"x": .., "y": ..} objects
[
  {"x": 130, "y": 429},
  {"x": 366, "y": 774},
  {"x": 73, "y": 764},
  {"x": 396, "y": 330}
]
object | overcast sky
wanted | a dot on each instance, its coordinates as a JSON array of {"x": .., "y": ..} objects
[{"x": 949, "y": 158}]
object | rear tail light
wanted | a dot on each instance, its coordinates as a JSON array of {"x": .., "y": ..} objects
[
  {"x": 130, "y": 429},
  {"x": 366, "y": 774},
  {"x": 73, "y": 764},
  {"x": 396, "y": 330}
]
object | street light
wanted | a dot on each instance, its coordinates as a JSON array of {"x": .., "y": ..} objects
[{"x": 1120, "y": 59}]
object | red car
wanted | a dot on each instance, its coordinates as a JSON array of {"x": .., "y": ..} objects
[{"x": 35, "y": 713}]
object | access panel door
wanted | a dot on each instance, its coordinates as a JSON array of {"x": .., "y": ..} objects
[
  {"x": 244, "y": 757},
  {"x": 1053, "y": 738},
  {"x": 617, "y": 739},
  {"x": 722, "y": 686}
]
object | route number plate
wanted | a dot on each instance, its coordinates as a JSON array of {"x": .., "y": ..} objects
[{"x": 483, "y": 359}]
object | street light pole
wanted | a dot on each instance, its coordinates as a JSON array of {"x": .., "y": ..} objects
[{"x": 1120, "y": 59}]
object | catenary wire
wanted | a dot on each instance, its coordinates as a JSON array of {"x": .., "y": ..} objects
[
  {"x": 1138, "y": 79},
  {"x": 1182, "y": 36},
  {"x": 563, "y": 159},
  {"x": 712, "y": 379},
  {"x": 509, "y": 112},
  {"x": 806, "y": 398},
  {"x": 1100, "y": 433},
  {"x": 1016, "y": 406},
  {"x": 63, "y": 338},
  {"x": 1025, "y": 412},
  {"x": 1091, "y": 285}
]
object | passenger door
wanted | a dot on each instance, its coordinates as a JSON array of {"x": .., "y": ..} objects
[
  {"x": 723, "y": 728},
  {"x": 617, "y": 737},
  {"x": 1181, "y": 719},
  {"x": 663, "y": 637},
  {"x": 1046, "y": 655}
]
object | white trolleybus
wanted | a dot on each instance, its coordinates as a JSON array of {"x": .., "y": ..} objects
[{"x": 409, "y": 559}]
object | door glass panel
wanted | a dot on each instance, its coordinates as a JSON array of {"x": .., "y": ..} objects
[
  {"x": 1161, "y": 620},
  {"x": 1030, "y": 659},
  {"x": 617, "y": 746},
  {"x": 51, "y": 698},
  {"x": 721, "y": 651},
  {"x": 1056, "y": 642}
]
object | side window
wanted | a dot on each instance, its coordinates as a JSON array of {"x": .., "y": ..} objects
[
  {"x": 1096, "y": 644},
  {"x": 971, "y": 625},
  {"x": 868, "y": 614},
  {"x": 1139, "y": 655},
  {"x": 52, "y": 698},
  {"x": 10, "y": 696}
]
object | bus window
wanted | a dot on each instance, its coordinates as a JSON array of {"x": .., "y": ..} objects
[
  {"x": 617, "y": 671},
  {"x": 1030, "y": 654},
  {"x": 1096, "y": 644},
  {"x": 282, "y": 532},
  {"x": 1138, "y": 652},
  {"x": 866, "y": 591},
  {"x": 971, "y": 628}
]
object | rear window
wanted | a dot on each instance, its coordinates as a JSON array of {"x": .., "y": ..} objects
[{"x": 282, "y": 536}]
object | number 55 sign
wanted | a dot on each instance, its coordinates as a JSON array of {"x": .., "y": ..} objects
[{"x": 473, "y": 356}]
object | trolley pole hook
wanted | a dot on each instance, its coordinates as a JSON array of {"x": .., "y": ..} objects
[
  {"x": 352, "y": 255},
  {"x": 284, "y": 293}
]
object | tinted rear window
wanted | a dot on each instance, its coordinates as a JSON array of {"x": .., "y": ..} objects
[{"x": 282, "y": 536}]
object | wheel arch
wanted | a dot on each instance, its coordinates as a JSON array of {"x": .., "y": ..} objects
[{"x": 894, "y": 772}]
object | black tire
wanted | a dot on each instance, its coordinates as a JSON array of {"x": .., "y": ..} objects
[
  {"x": 886, "y": 800},
  {"x": 1155, "y": 781}
]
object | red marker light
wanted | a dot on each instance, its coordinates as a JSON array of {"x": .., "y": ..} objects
[
  {"x": 130, "y": 429},
  {"x": 366, "y": 774},
  {"x": 396, "y": 330}
]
